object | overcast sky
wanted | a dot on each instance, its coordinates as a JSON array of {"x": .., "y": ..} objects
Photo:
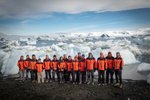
[{"x": 50, "y": 16}]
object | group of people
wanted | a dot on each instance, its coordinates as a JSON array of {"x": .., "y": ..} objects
[{"x": 77, "y": 70}]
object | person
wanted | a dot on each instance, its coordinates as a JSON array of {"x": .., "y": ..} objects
[
  {"x": 39, "y": 67},
  {"x": 75, "y": 67},
  {"x": 20, "y": 64},
  {"x": 79, "y": 56},
  {"x": 61, "y": 66},
  {"x": 91, "y": 66},
  {"x": 118, "y": 64},
  {"x": 69, "y": 68},
  {"x": 32, "y": 66},
  {"x": 54, "y": 67},
  {"x": 101, "y": 66},
  {"x": 47, "y": 67},
  {"x": 65, "y": 76},
  {"x": 110, "y": 68},
  {"x": 26, "y": 65},
  {"x": 82, "y": 68}
]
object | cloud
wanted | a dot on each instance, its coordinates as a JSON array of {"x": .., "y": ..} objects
[{"x": 32, "y": 8}]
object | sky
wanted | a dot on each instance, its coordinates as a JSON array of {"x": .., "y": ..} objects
[{"x": 31, "y": 17}]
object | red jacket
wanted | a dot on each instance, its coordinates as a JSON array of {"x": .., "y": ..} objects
[
  {"x": 101, "y": 64},
  {"x": 90, "y": 64},
  {"x": 20, "y": 64},
  {"x": 39, "y": 67},
  {"x": 26, "y": 63},
  {"x": 118, "y": 63},
  {"x": 75, "y": 65},
  {"x": 69, "y": 65},
  {"x": 54, "y": 64},
  {"x": 82, "y": 65},
  {"x": 110, "y": 62},
  {"x": 47, "y": 64},
  {"x": 32, "y": 64},
  {"x": 62, "y": 66}
]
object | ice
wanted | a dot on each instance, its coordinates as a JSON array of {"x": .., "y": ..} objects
[
  {"x": 143, "y": 67},
  {"x": 56, "y": 48},
  {"x": 148, "y": 78}
]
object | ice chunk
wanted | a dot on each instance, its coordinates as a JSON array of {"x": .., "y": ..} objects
[
  {"x": 56, "y": 48},
  {"x": 144, "y": 67}
]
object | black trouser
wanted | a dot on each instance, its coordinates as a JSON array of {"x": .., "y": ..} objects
[
  {"x": 61, "y": 75},
  {"x": 109, "y": 72},
  {"x": 65, "y": 75},
  {"x": 70, "y": 74},
  {"x": 90, "y": 74},
  {"x": 55, "y": 72},
  {"x": 101, "y": 76},
  {"x": 118, "y": 75},
  {"x": 75, "y": 77},
  {"x": 33, "y": 75},
  {"x": 48, "y": 74},
  {"x": 82, "y": 76}
]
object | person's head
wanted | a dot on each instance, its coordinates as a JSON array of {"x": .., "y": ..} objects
[
  {"x": 101, "y": 55},
  {"x": 90, "y": 55},
  {"x": 39, "y": 60},
  {"x": 61, "y": 58},
  {"x": 27, "y": 56},
  {"x": 69, "y": 58},
  {"x": 118, "y": 55},
  {"x": 64, "y": 56},
  {"x": 21, "y": 58},
  {"x": 109, "y": 54},
  {"x": 46, "y": 57},
  {"x": 33, "y": 56},
  {"x": 83, "y": 56},
  {"x": 79, "y": 54},
  {"x": 54, "y": 57},
  {"x": 76, "y": 58}
]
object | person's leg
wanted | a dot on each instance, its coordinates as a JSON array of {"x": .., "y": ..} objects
[
  {"x": 27, "y": 71},
  {"x": 120, "y": 76},
  {"x": 34, "y": 75},
  {"x": 35, "y": 72},
  {"x": 102, "y": 76},
  {"x": 53, "y": 75},
  {"x": 88, "y": 76},
  {"x": 84, "y": 77},
  {"x": 111, "y": 75},
  {"x": 60, "y": 76},
  {"x": 46, "y": 75},
  {"x": 42, "y": 77},
  {"x": 116, "y": 75},
  {"x": 107, "y": 76},
  {"x": 98, "y": 76},
  {"x": 20, "y": 74},
  {"x": 31, "y": 74},
  {"x": 92, "y": 74},
  {"x": 78, "y": 77},
  {"x": 38, "y": 77},
  {"x": 50, "y": 77},
  {"x": 73, "y": 77}
]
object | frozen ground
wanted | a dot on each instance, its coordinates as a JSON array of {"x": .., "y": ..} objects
[{"x": 133, "y": 46}]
